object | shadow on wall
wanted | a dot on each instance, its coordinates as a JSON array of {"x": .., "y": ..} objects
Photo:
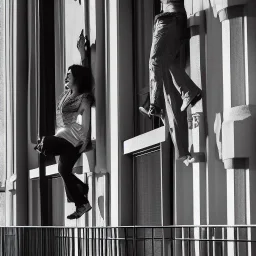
[
  {"x": 217, "y": 188},
  {"x": 93, "y": 61},
  {"x": 101, "y": 206}
]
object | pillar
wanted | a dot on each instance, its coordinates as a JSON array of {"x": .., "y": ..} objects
[
  {"x": 120, "y": 108},
  {"x": 197, "y": 25},
  {"x": 239, "y": 114},
  {"x": 20, "y": 156}
]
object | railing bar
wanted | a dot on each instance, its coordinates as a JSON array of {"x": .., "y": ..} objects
[
  {"x": 201, "y": 243},
  {"x": 153, "y": 248},
  {"x": 79, "y": 249},
  {"x": 86, "y": 241},
  {"x": 125, "y": 242},
  {"x": 119, "y": 241},
  {"x": 46, "y": 235},
  {"x": 68, "y": 242},
  {"x": 62, "y": 243},
  {"x": 98, "y": 240},
  {"x": 93, "y": 242},
  {"x": 48, "y": 245},
  {"x": 144, "y": 242},
  {"x": 162, "y": 242},
  {"x": 82, "y": 241},
  {"x": 115, "y": 242},
  {"x": 172, "y": 244},
  {"x": 57, "y": 239},
  {"x": 105, "y": 241},
  {"x": 101, "y": 242},
  {"x": 236, "y": 243},
  {"x": 135, "y": 241},
  {"x": 110, "y": 241},
  {"x": 189, "y": 241}
]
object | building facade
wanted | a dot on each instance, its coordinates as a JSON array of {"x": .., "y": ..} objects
[{"x": 132, "y": 174}]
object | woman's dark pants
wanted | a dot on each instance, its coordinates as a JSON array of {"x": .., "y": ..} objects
[{"x": 76, "y": 190}]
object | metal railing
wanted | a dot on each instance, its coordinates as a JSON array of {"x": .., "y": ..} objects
[{"x": 126, "y": 241}]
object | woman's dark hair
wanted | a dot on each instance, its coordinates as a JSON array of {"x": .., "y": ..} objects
[{"x": 83, "y": 78}]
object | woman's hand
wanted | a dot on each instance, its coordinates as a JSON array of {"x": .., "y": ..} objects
[{"x": 81, "y": 45}]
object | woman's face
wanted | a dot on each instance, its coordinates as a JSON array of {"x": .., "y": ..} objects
[{"x": 69, "y": 80}]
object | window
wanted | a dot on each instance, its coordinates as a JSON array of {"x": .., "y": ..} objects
[{"x": 144, "y": 12}]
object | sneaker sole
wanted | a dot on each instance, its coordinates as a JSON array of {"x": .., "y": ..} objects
[{"x": 196, "y": 99}]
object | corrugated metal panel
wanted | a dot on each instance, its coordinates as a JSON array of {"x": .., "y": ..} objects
[{"x": 148, "y": 189}]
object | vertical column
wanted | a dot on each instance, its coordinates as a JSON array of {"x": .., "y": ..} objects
[
  {"x": 120, "y": 108},
  {"x": 239, "y": 122},
  {"x": 46, "y": 99},
  {"x": 198, "y": 75},
  {"x": 100, "y": 90},
  {"x": 20, "y": 112}
]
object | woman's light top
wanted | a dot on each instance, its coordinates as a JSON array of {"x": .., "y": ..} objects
[{"x": 69, "y": 126}]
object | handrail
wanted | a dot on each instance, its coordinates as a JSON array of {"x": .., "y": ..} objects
[
  {"x": 185, "y": 240},
  {"x": 141, "y": 226}
]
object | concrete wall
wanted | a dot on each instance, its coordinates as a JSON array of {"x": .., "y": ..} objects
[{"x": 201, "y": 192}]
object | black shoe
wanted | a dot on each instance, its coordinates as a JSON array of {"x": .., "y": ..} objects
[
  {"x": 39, "y": 147},
  {"x": 80, "y": 210}
]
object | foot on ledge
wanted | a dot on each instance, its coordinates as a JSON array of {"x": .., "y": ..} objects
[{"x": 189, "y": 160}]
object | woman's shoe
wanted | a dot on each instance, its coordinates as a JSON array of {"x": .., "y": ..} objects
[
  {"x": 39, "y": 147},
  {"x": 80, "y": 210}
]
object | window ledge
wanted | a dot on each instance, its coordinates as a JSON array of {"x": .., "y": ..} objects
[
  {"x": 145, "y": 140},
  {"x": 86, "y": 162},
  {"x": 50, "y": 170}
]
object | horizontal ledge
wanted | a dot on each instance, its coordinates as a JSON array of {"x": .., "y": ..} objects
[
  {"x": 194, "y": 21},
  {"x": 145, "y": 140},
  {"x": 50, "y": 170},
  {"x": 236, "y": 163}
]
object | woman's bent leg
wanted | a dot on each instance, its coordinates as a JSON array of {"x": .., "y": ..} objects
[{"x": 52, "y": 145}]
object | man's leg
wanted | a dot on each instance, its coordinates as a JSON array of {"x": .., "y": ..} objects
[
  {"x": 167, "y": 40},
  {"x": 177, "y": 122}
]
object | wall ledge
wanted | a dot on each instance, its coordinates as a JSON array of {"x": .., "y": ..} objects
[{"x": 145, "y": 140}]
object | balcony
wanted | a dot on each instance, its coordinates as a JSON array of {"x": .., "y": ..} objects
[{"x": 128, "y": 241}]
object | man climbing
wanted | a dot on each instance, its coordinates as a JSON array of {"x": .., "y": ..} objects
[{"x": 171, "y": 89}]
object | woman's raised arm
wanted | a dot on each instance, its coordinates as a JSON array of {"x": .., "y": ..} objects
[{"x": 83, "y": 48}]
